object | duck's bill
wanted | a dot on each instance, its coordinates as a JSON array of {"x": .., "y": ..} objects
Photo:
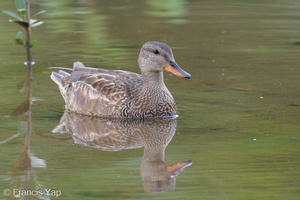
[
  {"x": 179, "y": 166},
  {"x": 175, "y": 69}
]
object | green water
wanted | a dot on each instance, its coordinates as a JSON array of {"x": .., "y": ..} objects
[{"x": 238, "y": 114}]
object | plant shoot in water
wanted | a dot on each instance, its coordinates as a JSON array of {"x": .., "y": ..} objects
[{"x": 22, "y": 17}]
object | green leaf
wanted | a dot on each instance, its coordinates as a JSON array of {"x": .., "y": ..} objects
[
  {"x": 23, "y": 24},
  {"x": 41, "y": 12},
  {"x": 32, "y": 21},
  {"x": 19, "y": 42},
  {"x": 20, "y": 5},
  {"x": 22, "y": 12},
  {"x": 20, "y": 38},
  {"x": 12, "y": 14},
  {"x": 37, "y": 23},
  {"x": 33, "y": 43}
]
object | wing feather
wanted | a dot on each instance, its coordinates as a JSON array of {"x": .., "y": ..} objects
[
  {"x": 113, "y": 88},
  {"x": 100, "y": 92}
]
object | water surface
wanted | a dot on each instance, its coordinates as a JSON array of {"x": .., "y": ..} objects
[{"x": 238, "y": 115}]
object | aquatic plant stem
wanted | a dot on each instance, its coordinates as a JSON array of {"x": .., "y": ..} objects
[
  {"x": 29, "y": 57},
  {"x": 28, "y": 35},
  {"x": 28, "y": 77}
]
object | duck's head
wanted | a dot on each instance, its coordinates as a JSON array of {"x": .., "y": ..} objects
[{"x": 156, "y": 57}]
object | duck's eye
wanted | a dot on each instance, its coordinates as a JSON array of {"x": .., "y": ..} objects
[{"x": 155, "y": 51}]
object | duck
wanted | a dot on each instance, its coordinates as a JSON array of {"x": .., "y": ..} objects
[
  {"x": 122, "y": 94},
  {"x": 107, "y": 134}
]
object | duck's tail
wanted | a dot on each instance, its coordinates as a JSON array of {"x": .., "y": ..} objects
[
  {"x": 64, "y": 68},
  {"x": 75, "y": 65},
  {"x": 58, "y": 77}
]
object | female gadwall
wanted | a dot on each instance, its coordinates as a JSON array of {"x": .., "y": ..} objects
[{"x": 122, "y": 94}]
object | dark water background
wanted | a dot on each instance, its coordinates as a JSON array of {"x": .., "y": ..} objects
[{"x": 238, "y": 115}]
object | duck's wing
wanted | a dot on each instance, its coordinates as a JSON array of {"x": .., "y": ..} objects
[
  {"x": 95, "y": 91},
  {"x": 111, "y": 86}
]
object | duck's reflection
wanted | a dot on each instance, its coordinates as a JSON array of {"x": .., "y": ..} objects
[{"x": 116, "y": 135}]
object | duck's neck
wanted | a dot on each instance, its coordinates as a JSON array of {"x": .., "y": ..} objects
[{"x": 153, "y": 79}]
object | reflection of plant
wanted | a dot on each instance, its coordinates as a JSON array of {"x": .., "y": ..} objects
[
  {"x": 22, "y": 17},
  {"x": 23, "y": 170}
]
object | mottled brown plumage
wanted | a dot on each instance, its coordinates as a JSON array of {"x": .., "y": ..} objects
[{"x": 118, "y": 93}]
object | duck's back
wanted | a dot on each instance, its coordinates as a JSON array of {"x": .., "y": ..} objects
[{"x": 97, "y": 92}]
